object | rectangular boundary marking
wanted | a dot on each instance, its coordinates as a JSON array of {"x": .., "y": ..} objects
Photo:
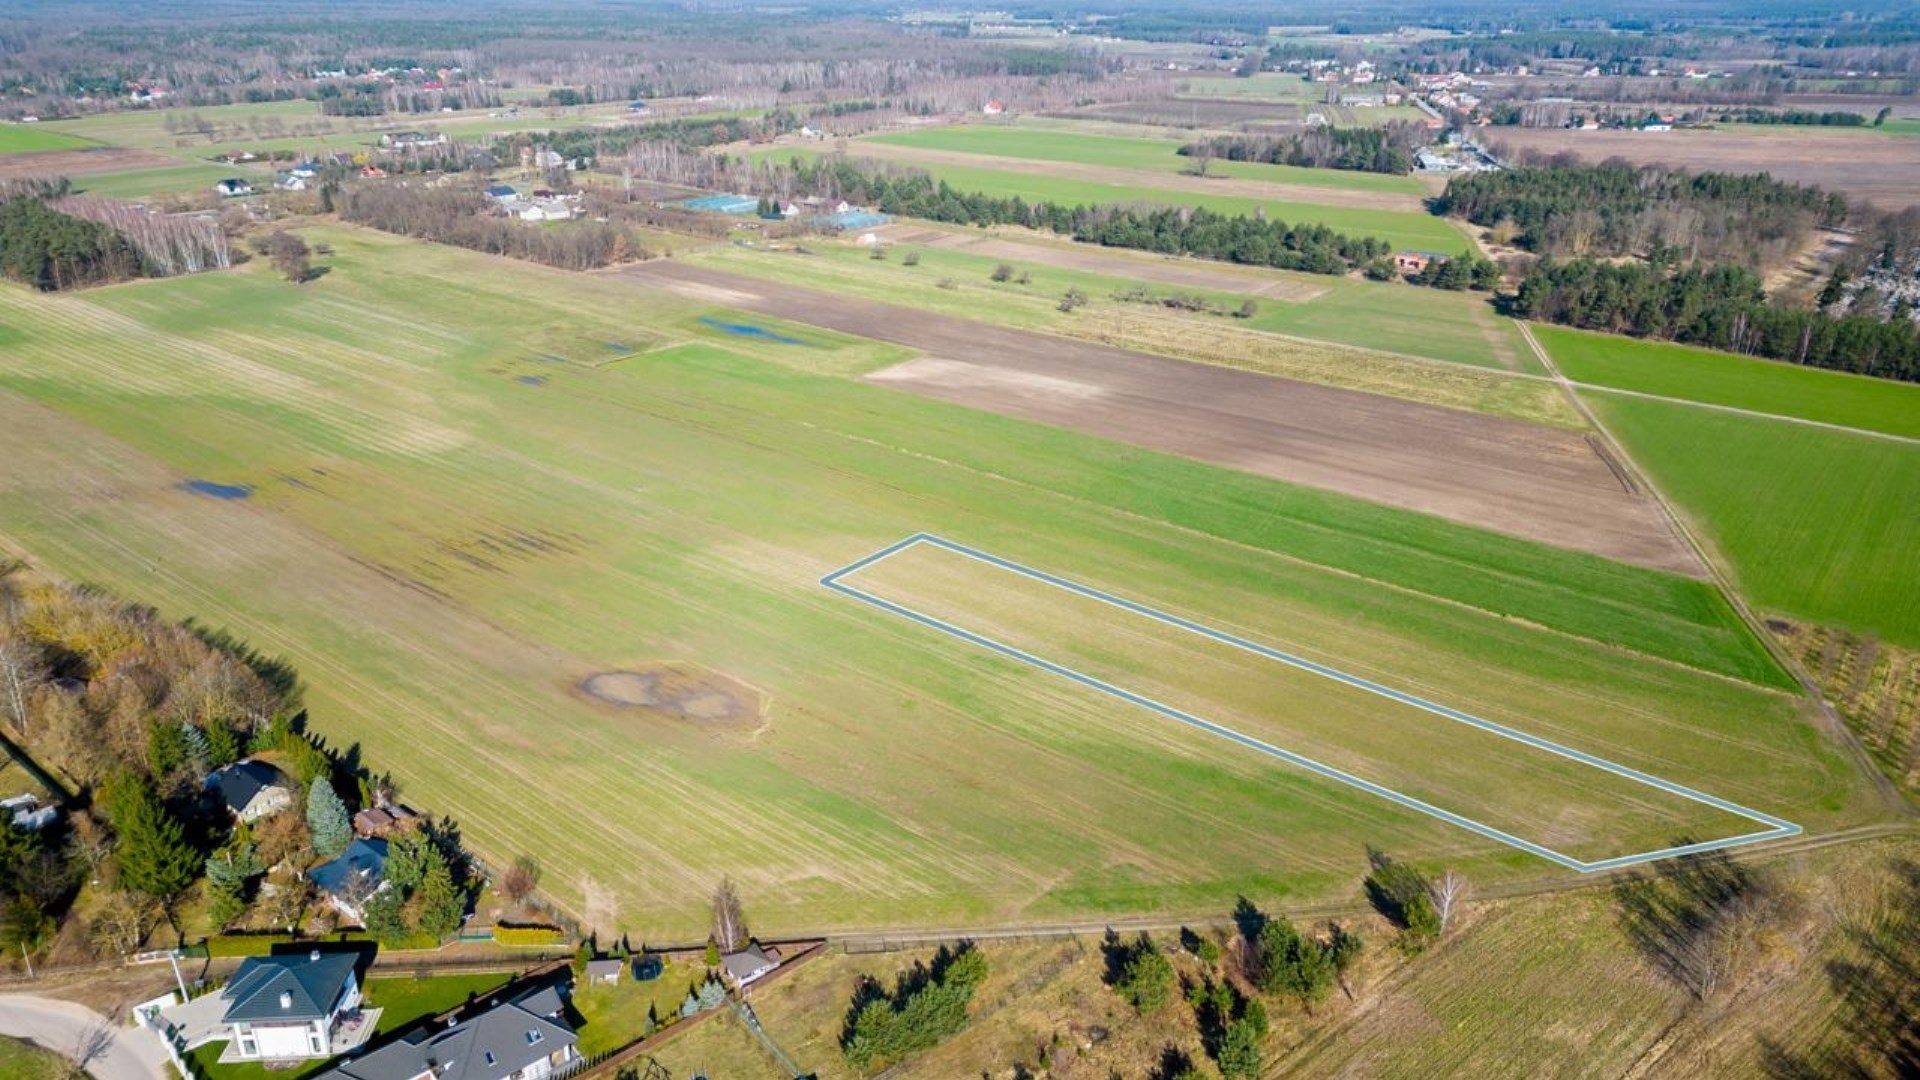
[{"x": 1776, "y": 827}]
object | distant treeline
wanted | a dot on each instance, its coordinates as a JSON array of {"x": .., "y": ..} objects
[
  {"x": 460, "y": 218},
  {"x": 1615, "y": 209},
  {"x": 1378, "y": 150},
  {"x": 1172, "y": 231},
  {"x": 49, "y": 250},
  {"x": 1722, "y": 307},
  {"x": 687, "y": 134},
  {"x": 1798, "y": 117}
]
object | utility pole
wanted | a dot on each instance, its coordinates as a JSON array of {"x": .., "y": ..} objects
[
  {"x": 173, "y": 957},
  {"x": 27, "y": 958}
]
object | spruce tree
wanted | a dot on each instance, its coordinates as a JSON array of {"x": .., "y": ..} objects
[
  {"x": 441, "y": 904},
  {"x": 327, "y": 822},
  {"x": 155, "y": 858}
]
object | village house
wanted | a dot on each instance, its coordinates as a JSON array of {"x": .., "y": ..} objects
[
  {"x": 526, "y": 1038},
  {"x": 232, "y": 187},
  {"x": 251, "y": 790},
  {"x": 993, "y": 108},
  {"x": 384, "y": 820},
  {"x": 293, "y": 1008},
  {"x": 27, "y": 813},
  {"x": 354, "y": 877},
  {"x": 749, "y": 965},
  {"x": 404, "y": 140},
  {"x": 1414, "y": 262}
]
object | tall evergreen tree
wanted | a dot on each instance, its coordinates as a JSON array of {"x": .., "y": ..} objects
[
  {"x": 327, "y": 821},
  {"x": 155, "y": 858}
]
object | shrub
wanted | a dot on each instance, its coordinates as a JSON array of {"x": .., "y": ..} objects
[
  {"x": 912, "y": 258},
  {"x": 529, "y": 935},
  {"x": 1002, "y": 273}
]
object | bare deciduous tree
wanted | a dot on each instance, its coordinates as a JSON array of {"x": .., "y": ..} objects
[
  {"x": 729, "y": 919},
  {"x": 521, "y": 878},
  {"x": 1449, "y": 891},
  {"x": 23, "y": 667},
  {"x": 122, "y": 922}
]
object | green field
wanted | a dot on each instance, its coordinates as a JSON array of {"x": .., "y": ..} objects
[
  {"x": 1741, "y": 382},
  {"x": 1819, "y": 525},
  {"x": 1158, "y": 155},
  {"x": 165, "y": 180},
  {"x": 1267, "y": 86},
  {"x": 22, "y": 1060},
  {"x": 27, "y": 138},
  {"x": 1402, "y": 229},
  {"x": 469, "y": 491},
  {"x": 1430, "y": 323}
]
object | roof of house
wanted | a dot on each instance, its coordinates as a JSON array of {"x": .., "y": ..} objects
[
  {"x": 600, "y": 969},
  {"x": 288, "y": 987},
  {"x": 239, "y": 782},
  {"x": 746, "y": 963},
  {"x": 502, "y": 191},
  {"x": 363, "y": 858},
  {"x": 499, "y": 1042}
]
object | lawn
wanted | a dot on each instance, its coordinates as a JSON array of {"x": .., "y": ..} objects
[
  {"x": 407, "y": 1000},
  {"x": 1816, "y": 524},
  {"x": 475, "y": 482},
  {"x": 1159, "y": 155},
  {"x": 22, "y": 1060},
  {"x": 28, "y": 138},
  {"x": 1741, "y": 382},
  {"x": 613, "y": 1016},
  {"x": 163, "y": 180},
  {"x": 1402, "y": 229}
]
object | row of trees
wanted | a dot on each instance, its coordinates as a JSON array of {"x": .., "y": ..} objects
[
  {"x": 461, "y": 217},
  {"x": 1615, "y": 209},
  {"x": 1255, "y": 241},
  {"x": 1721, "y": 307},
  {"x": 1386, "y": 149},
  {"x": 49, "y": 250}
]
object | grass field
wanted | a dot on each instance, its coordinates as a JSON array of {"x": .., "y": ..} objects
[
  {"x": 1690, "y": 374},
  {"x": 405, "y": 1001},
  {"x": 22, "y": 1060},
  {"x": 27, "y": 138},
  {"x": 165, "y": 180},
  {"x": 1817, "y": 524},
  {"x": 1159, "y": 155},
  {"x": 1417, "y": 322},
  {"x": 1402, "y": 229},
  {"x": 469, "y": 492}
]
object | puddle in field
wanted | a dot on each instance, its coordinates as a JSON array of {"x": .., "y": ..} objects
[
  {"x": 533, "y": 380},
  {"x": 749, "y": 330},
  {"x": 219, "y": 491}
]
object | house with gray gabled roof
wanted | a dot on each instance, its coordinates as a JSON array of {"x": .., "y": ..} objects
[
  {"x": 749, "y": 965},
  {"x": 507, "y": 1041},
  {"x": 293, "y": 1007},
  {"x": 352, "y": 879},
  {"x": 251, "y": 790}
]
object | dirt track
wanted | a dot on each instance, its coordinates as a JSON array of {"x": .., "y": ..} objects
[{"x": 1522, "y": 479}]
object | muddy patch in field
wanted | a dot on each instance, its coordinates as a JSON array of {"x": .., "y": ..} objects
[
  {"x": 682, "y": 691},
  {"x": 749, "y": 330}
]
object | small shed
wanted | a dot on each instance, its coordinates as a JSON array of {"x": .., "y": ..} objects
[{"x": 605, "y": 971}]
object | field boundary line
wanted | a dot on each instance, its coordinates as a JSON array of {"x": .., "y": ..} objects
[{"x": 1776, "y": 827}]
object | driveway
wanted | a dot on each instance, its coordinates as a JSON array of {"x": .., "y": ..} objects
[{"x": 110, "y": 1052}]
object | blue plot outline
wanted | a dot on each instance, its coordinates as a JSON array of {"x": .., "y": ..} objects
[{"x": 1776, "y": 827}]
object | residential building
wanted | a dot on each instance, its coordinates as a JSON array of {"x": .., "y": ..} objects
[
  {"x": 27, "y": 813},
  {"x": 251, "y": 790},
  {"x": 1414, "y": 262},
  {"x": 522, "y": 1039},
  {"x": 292, "y": 1007},
  {"x": 231, "y": 187},
  {"x": 350, "y": 880},
  {"x": 606, "y": 971},
  {"x": 749, "y": 965}
]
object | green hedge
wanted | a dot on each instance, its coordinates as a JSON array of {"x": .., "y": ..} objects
[{"x": 529, "y": 935}]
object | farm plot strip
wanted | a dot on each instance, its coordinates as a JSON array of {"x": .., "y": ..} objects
[
  {"x": 1511, "y": 477},
  {"x": 1559, "y": 803}
]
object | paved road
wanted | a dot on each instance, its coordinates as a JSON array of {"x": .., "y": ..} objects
[{"x": 113, "y": 1052}]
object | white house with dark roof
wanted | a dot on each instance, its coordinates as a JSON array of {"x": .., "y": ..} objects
[
  {"x": 522, "y": 1039},
  {"x": 293, "y": 1008},
  {"x": 251, "y": 790},
  {"x": 749, "y": 965}
]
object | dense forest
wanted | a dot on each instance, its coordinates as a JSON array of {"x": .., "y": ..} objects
[
  {"x": 1614, "y": 209},
  {"x": 49, "y": 250},
  {"x": 1722, "y": 307},
  {"x": 460, "y": 217},
  {"x": 1380, "y": 150},
  {"x": 1171, "y": 231}
]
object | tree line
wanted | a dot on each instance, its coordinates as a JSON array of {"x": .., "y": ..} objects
[
  {"x": 462, "y": 217},
  {"x": 1386, "y": 149},
  {"x": 1614, "y": 209},
  {"x": 1256, "y": 241},
  {"x": 51, "y": 251},
  {"x": 1720, "y": 307}
]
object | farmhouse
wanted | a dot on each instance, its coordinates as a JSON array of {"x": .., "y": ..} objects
[
  {"x": 400, "y": 140},
  {"x": 294, "y": 1007},
  {"x": 749, "y": 965},
  {"x": 502, "y": 192},
  {"x": 348, "y": 881},
  {"x": 251, "y": 790},
  {"x": 993, "y": 108},
  {"x": 232, "y": 187},
  {"x": 522, "y": 1039},
  {"x": 1414, "y": 262}
]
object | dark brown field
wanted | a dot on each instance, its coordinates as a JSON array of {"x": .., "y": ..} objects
[
  {"x": 1523, "y": 479},
  {"x": 80, "y": 162},
  {"x": 1863, "y": 164}
]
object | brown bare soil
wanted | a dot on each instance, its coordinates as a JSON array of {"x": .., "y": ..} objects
[
  {"x": 1322, "y": 195},
  {"x": 685, "y": 691},
  {"x": 80, "y": 162},
  {"x": 1882, "y": 169},
  {"x": 1524, "y": 479},
  {"x": 1115, "y": 262}
]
